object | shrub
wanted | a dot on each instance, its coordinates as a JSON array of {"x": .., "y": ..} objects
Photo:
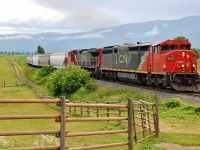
[
  {"x": 43, "y": 72},
  {"x": 197, "y": 110},
  {"x": 68, "y": 80},
  {"x": 91, "y": 86},
  {"x": 173, "y": 103}
]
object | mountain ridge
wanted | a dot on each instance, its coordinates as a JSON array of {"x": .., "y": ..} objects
[{"x": 150, "y": 31}]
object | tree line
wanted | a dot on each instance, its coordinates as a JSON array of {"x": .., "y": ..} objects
[{"x": 40, "y": 50}]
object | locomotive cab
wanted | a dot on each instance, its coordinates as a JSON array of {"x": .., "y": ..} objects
[{"x": 180, "y": 65}]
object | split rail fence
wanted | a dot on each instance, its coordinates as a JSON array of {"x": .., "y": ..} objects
[
  {"x": 12, "y": 83},
  {"x": 63, "y": 118}
]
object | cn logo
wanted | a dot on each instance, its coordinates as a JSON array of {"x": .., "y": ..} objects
[
  {"x": 179, "y": 63},
  {"x": 123, "y": 58}
]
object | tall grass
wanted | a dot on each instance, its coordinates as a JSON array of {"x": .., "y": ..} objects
[{"x": 110, "y": 93}]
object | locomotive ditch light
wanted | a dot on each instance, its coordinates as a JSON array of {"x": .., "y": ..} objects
[
  {"x": 182, "y": 67},
  {"x": 183, "y": 54},
  {"x": 193, "y": 67}
]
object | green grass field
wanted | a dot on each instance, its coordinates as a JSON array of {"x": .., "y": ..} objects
[
  {"x": 8, "y": 74},
  {"x": 176, "y": 125}
]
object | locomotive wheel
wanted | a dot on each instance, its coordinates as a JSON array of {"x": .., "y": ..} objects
[
  {"x": 114, "y": 76},
  {"x": 156, "y": 82}
]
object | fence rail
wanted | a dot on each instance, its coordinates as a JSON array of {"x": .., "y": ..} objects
[
  {"x": 79, "y": 107},
  {"x": 12, "y": 83},
  {"x": 63, "y": 119}
]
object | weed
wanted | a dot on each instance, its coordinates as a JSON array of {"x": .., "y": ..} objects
[
  {"x": 4, "y": 143},
  {"x": 46, "y": 140},
  {"x": 173, "y": 103},
  {"x": 197, "y": 110}
]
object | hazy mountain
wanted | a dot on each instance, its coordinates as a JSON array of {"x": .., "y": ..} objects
[{"x": 129, "y": 33}]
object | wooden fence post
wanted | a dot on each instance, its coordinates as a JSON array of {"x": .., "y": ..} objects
[
  {"x": 130, "y": 124},
  {"x": 119, "y": 111},
  {"x": 88, "y": 110},
  {"x": 4, "y": 83},
  {"x": 157, "y": 117},
  {"x": 97, "y": 109},
  {"x": 134, "y": 125},
  {"x": 81, "y": 109},
  {"x": 62, "y": 123}
]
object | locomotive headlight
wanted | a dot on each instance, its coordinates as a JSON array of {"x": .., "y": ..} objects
[
  {"x": 193, "y": 65},
  {"x": 182, "y": 66},
  {"x": 183, "y": 54}
]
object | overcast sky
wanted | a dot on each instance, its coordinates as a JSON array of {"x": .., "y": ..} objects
[{"x": 66, "y": 16}]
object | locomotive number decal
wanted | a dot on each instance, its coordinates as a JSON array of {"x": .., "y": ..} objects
[
  {"x": 123, "y": 58},
  {"x": 179, "y": 63}
]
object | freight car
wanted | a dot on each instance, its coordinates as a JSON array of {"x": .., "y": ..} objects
[
  {"x": 168, "y": 64},
  {"x": 56, "y": 60}
]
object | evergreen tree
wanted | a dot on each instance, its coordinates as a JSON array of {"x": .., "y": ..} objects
[{"x": 40, "y": 50}]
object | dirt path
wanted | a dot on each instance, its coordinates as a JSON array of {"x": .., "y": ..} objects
[{"x": 171, "y": 146}]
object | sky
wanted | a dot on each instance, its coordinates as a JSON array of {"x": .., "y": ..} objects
[{"x": 69, "y": 16}]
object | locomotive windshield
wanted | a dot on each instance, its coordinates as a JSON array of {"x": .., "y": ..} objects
[
  {"x": 175, "y": 47},
  {"x": 185, "y": 47}
]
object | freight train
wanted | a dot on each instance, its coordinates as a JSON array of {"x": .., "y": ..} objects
[{"x": 166, "y": 64}]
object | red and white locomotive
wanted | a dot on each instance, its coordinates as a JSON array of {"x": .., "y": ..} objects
[{"x": 168, "y": 64}]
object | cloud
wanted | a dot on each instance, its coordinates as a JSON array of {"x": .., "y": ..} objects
[
  {"x": 105, "y": 31},
  {"x": 165, "y": 25},
  {"x": 85, "y": 15},
  {"x": 89, "y": 36},
  {"x": 68, "y": 16},
  {"x": 130, "y": 35},
  {"x": 153, "y": 32},
  {"x": 12, "y": 37},
  {"x": 63, "y": 38}
]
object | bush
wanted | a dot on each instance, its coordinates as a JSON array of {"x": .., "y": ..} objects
[
  {"x": 197, "y": 110},
  {"x": 43, "y": 72},
  {"x": 68, "y": 80},
  {"x": 172, "y": 103},
  {"x": 91, "y": 86}
]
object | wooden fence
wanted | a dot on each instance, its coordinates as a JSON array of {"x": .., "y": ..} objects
[
  {"x": 12, "y": 83},
  {"x": 145, "y": 119},
  {"x": 95, "y": 111},
  {"x": 131, "y": 117},
  {"x": 145, "y": 116}
]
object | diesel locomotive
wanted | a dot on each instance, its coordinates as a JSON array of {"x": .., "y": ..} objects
[{"x": 167, "y": 64}]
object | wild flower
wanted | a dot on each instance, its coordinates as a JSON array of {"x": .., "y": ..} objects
[
  {"x": 4, "y": 143},
  {"x": 46, "y": 140}
]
